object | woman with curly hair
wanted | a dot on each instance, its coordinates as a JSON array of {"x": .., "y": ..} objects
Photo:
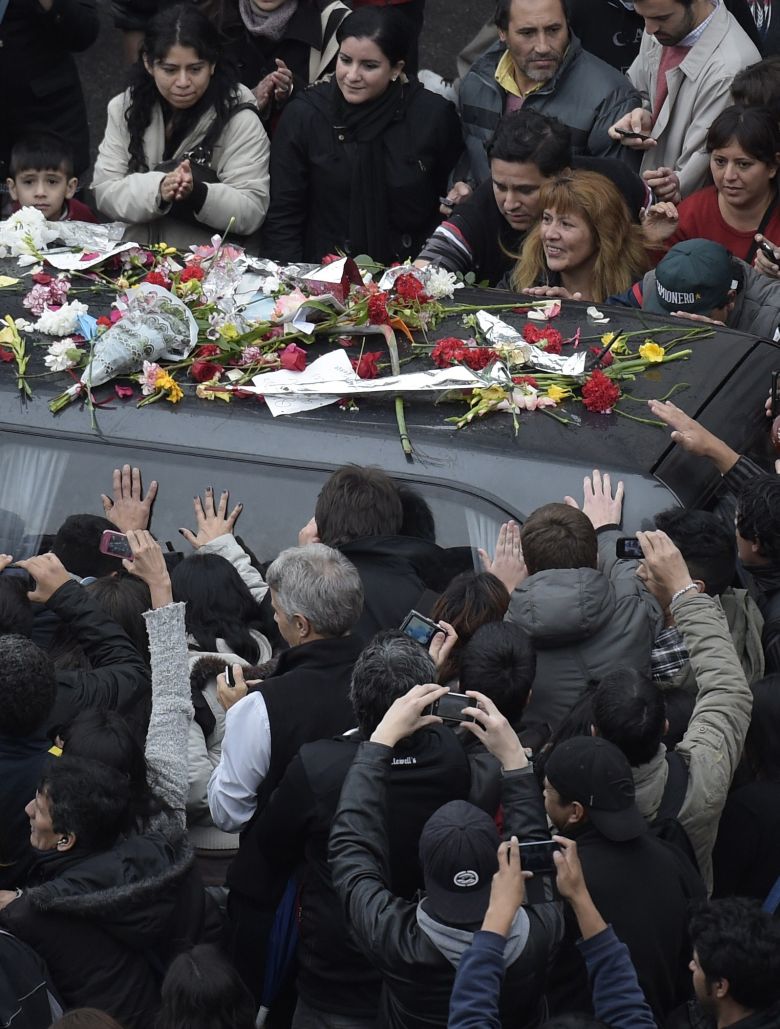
[
  {"x": 585, "y": 247},
  {"x": 184, "y": 151}
]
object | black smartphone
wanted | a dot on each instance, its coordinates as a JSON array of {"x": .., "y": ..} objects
[
  {"x": 628, "y": 548},
  {"x": 420, "y": 628},
  {"x": 538, "y": 857},
  {"x": 629, "y": 134},
  {"x": 115, "y": 544},
  {"x": 450, "y": 708},
  {"x": 769, "y": 253}
]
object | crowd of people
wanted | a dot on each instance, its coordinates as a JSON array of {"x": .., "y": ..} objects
[{"x": 237, "y": 789}]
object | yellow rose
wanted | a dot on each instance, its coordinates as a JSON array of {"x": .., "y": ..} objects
[
  {"x": 650, "y": 351},
  {"x": 228, "y": 332},
  {"x": 558, "y": 393}
]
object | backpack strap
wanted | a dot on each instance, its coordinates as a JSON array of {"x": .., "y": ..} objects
[
  {"x": 676, "y": 786},
  {"x": 772, "y": 902},
  {"x": 202, "y": 152}
]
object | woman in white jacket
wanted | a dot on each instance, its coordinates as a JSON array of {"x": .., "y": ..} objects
[{"x": 184, "y": 151}]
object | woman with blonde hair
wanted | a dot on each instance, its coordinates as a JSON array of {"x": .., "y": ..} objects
[{"x": 585, "y": 247}]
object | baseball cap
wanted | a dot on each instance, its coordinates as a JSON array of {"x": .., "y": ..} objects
[
  {"x": 695, "y": 276},
  {"x": 458, "y": 853},
  {"x": 596, "y": 773}
]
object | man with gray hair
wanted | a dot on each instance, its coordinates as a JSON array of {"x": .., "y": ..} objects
[{"x": 317, "y": 598}]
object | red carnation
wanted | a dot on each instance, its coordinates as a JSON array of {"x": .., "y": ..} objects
[
  {"x": 293, "y": 358},
  {"x": 377, "y": 309},
  {"x": 6, "y": 355},
  {"x": 202, "y": 371},
  {"x": 478, "y": 358},
  {"x": 192, "y": 271},
  {"x": 525, "y": 380},
  {"x": 606, "y": 359},
  {"x": 409, "y": 288},
  {"x": 208, "y": 350},
  {"x": 366, "y": 364},
  {"x": 156, "y": 279},
  {"x": 547, "y": 338},
  {"x": 447, "y": 351},
  {"x": 600, "y": 394}
]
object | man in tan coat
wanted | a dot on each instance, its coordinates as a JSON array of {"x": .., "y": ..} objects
[{"x": 690, "y": 52}]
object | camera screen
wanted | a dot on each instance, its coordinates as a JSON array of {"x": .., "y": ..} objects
[
  {"x": 419, "y": 630},
  {"x": 538, "y": 857},
  {"x": 450, "y": 707}
]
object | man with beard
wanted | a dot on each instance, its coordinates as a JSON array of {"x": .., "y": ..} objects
[{"x": 538, "y": 63}]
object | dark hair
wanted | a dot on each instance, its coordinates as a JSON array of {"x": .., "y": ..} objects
[
  {"x": 43, "y": 151},
  {"x": 382, "y": 25},
  {"x": 755, "y": 129},
  {"x": 87, "y": 798},
  {"x": 758, "y": 85},
  {"x": 125, "y": 598},
  {"x": 762, "y": 744},
  {"x": 186, "y": 26},
  {"x": 471, "y": 600},
  {"x": 85, "y": 1018},
  {"x": 418, "y": 520},
  {"x": 16, "y": 615},
  {"x": 105, "y": 736},
  {"x": 28, "y": 686},
  {"x": 356, "y": 502},
  {"x": 503, "y": 8},
  {"x": 202, "y": 990},
  {"x": 558, "y": 536},
  {"x": 219, "y": 604},
  {"x": 758, "y": 514},
  {"x": 705, "y": 543},
  {"x": 500, "y": 661},
  {"x": 387, "y": 668},
  {"x": 628, "y": 710},
  {"x": 528, "y": 137},
  {"x": 574, "y": 1022},
  {"x": 77, "y": 544},
  {"x": 735, "y": 940}
]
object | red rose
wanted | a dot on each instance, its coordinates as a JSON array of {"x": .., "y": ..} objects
[
  {"x": 293, "y": 358},
  {"x": 366, "y": 364},
  {"x": 208, "y": 350},
  {"x": 330, "y": 258},
  {"x": 377, "y": 309},
  {"x": 156, "y": 279},
  {"x": 6, "y": 355},
  {"x": 106, "y": 322},
  {"x": 192, "y": 271},
  {"x": 409, "y": 288},
  {"x": 600, "y": 394},
  {"x": 202, "y": 371},
  {"x": 606, "y": 359}
]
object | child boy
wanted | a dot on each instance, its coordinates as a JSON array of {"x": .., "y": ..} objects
[{"x": 42, "y": 176}]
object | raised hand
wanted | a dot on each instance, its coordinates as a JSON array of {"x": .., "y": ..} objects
[{"x": 213, "y": 521}]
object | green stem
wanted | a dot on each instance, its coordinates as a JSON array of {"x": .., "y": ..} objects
[{"x": 634, "y": 418}]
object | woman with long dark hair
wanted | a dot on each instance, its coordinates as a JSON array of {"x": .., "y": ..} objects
[
  {"x": 184, "y": 151},
  {"x": 359, "y": 162}
]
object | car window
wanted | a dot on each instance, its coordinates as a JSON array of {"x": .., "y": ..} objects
[{"x": 47, "y": 479}]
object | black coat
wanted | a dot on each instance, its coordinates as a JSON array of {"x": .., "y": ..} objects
[
  {"x": 311, "y": 176},
  {"x": 417, "y": 976},
  {"x": 105, "y": 923},
  {"x": 39, "y": 81},
  {"x": 21, "y": 764},
  {"x": 118, "y": 680},
  {"x": 643, "y": 889}
]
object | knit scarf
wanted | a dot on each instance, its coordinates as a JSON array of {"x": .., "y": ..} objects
[
  {"x": 270, "y": 25},
  {"x": 365, "y": 126}
]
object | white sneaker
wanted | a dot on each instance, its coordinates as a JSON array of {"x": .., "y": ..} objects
[{"x": 436, "y": 84}]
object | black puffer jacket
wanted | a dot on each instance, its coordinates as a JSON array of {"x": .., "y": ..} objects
[
  {"x": 107, "y": 924},
  {"x": 311, "y": 175},
  {"x": 119, "y": 680},
  {"x": 39, "y": 81},
  {"x": 417, "y": 976}
]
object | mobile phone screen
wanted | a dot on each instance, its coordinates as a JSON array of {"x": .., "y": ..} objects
[
  {"x": 628, "y": 548},
  {"x": 419, "y": 628},
  {"x": 538, "y": 857}
]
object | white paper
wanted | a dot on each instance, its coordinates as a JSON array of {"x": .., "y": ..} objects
[
  {"x": 331, "y": 377},
  {"x": 70, "y": 262}
]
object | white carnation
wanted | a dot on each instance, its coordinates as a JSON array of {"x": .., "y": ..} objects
[
  {"x": 61, "y": 322},
  {"x": 25, "y": 233},
  {"x": 439, "y": 283},
  {"x": 62, "y": 355},
  {"x": 23, "y": 325}
]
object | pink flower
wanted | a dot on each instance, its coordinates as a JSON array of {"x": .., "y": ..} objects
[
  {"x": 123, "y": 392},
  {"x": 148, "y": 379},
  {"x": 293, "y": 358},
  {"x": 287, "y": 306}
]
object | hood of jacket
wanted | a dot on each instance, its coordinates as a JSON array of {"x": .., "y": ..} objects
[
  {"x": 650, "y": 783},
  {"x": 452, "y": 942},
  {"x": 129, "y": 889},
  {"x": 560, "y": 607}
]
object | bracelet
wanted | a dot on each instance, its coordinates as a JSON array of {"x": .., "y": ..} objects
[{"x": 685, "y": 589}]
